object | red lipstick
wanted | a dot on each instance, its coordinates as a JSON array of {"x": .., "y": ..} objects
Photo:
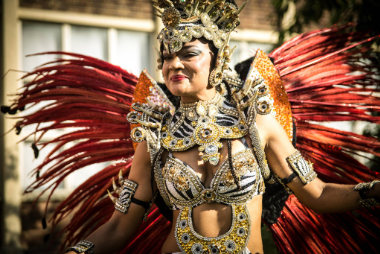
[{"x": 177, "y": 78}]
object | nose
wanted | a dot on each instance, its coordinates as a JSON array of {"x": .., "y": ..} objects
[{"x": 176, "y": 64}]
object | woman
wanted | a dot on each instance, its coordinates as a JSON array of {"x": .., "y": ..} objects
[
  {"x": 210, "y": 158},
  {"x": 186, "y": 74}
]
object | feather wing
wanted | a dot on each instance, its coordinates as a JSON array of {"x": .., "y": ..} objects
[{"x": 330, "y": 75}]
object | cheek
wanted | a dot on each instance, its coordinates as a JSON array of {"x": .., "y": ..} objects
[
  {"x": 201, "y": 70},
  {"x": 165, "y": 72}
]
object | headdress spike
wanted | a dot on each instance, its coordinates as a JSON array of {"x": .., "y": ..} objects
[
  {"x": 195, "y": 6},
  {"x": 242, "y": 7},
  {"x": 158, "y": 9},
  {"x": 170, "y": 3},
  {"x": 224, "y": 17},
  {"x": 208, "y": 9}
]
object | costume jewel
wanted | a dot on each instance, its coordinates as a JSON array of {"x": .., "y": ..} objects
[{"x": 198, "y": 124}]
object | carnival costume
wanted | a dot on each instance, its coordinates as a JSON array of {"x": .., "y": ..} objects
[{"x": 316, "y": 77}]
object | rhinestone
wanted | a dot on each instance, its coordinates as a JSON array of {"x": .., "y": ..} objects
[
  {"x": 217, "y": 42},
  {"x": 213, "y": 27},
  {"x": 228, "y": 131},
  {"x": 183, "y": 224},
  {"x": 241, "y": 232},
  {"x": 176, "y": 45},
  {"x": 164, "y": 135},
  {"x": 242, "y": 127},
  {"x": 211, "y": 149},
  {"x": 185, "y": 36},
  {"x": 187, "y": 141},
  {"x": 197, "y": 31},
  {"x": 214, "y": 249},
  {"x": 214, "y": 160},
  {"x": 229, "y": 26},
  {"x": 204, "y": 119},
  {"x": 205, "y": 18},
  {"x": 138, "y": 134},
  {"x": 230, "y": 245},
  {"x": 173, "y": 142},
  {"x": 185, "y": 238},
  {"x": 197, "y": 248},
  {"x": 208, "y": 34},
  {"x": 214, "y": 15},
  {"x": 201, "y": 109},
  {"x": 242, "y": 216}
]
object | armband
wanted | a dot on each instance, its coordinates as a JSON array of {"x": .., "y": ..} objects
[
  {"x": 301, "y": 167},
  {"x": 83, "y": 246},
  {"x": 126, "y": 191},
  {"x": 364, "y": 200}
]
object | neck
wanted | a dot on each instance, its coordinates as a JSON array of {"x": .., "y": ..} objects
[{"x": 209, "y": 95}]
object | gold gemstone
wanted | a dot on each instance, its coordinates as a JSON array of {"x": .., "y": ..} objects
[
  {"x": 197, "y": 32},
  {"x": 213, "y": 15},
  {"x": 186, "y": 36},
  {"x": 228, "y": 26},
  {"x": 176, "y": 45},
  {"x": 213, "y": 27},
  {"x": 208, "y": 34}
]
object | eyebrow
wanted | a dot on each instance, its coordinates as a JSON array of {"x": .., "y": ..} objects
[{"x": 184, "y": 47}]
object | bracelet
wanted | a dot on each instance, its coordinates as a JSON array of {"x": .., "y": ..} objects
[
  {"x": 83, "y": 246},
  {"x": 364, "y": 200}
]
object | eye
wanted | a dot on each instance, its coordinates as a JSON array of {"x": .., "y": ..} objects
[
  {"x": 190, "y": 55},
  {"x": 167, "y": 57}
]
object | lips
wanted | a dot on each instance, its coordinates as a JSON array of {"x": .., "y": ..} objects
[{"x": 176, "y": 78}]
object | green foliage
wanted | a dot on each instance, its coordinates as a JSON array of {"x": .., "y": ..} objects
[{"x": 366, "y": 13}]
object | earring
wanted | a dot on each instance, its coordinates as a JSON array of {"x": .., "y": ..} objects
[{"x": 216, "y": 77}]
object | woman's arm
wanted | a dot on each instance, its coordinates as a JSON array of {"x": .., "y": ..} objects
[
  {"x": 317, "y": 195},
  {"x": 113, "y": 235}
]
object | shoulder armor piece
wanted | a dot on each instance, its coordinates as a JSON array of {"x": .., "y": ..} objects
[{"x": 149, "y": 105}]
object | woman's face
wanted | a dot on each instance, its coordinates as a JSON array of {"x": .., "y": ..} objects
[{"x": 186, "y": 72}]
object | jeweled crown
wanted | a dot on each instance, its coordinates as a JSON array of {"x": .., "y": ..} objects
[{"x": 185, "y": 19}]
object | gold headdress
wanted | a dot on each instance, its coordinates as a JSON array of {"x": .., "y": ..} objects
[{"x": 188, "y": 19}]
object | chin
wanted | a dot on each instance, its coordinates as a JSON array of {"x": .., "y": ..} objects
[{"x": 178, "y": 88}]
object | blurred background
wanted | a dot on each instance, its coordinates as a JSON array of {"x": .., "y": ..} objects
[{"x": 122, "y": 32}]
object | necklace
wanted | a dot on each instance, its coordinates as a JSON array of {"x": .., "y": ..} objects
[{"x": 203, "y": 123}]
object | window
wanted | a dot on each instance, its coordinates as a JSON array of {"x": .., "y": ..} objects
[
  {"x": 91, "y": 41},
  {"x": 39, "y": 37}
]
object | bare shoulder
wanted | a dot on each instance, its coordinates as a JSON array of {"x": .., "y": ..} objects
[{"x": 269, "y": 128}]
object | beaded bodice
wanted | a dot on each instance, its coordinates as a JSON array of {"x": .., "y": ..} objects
[{"x": 185, "y": 188}]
